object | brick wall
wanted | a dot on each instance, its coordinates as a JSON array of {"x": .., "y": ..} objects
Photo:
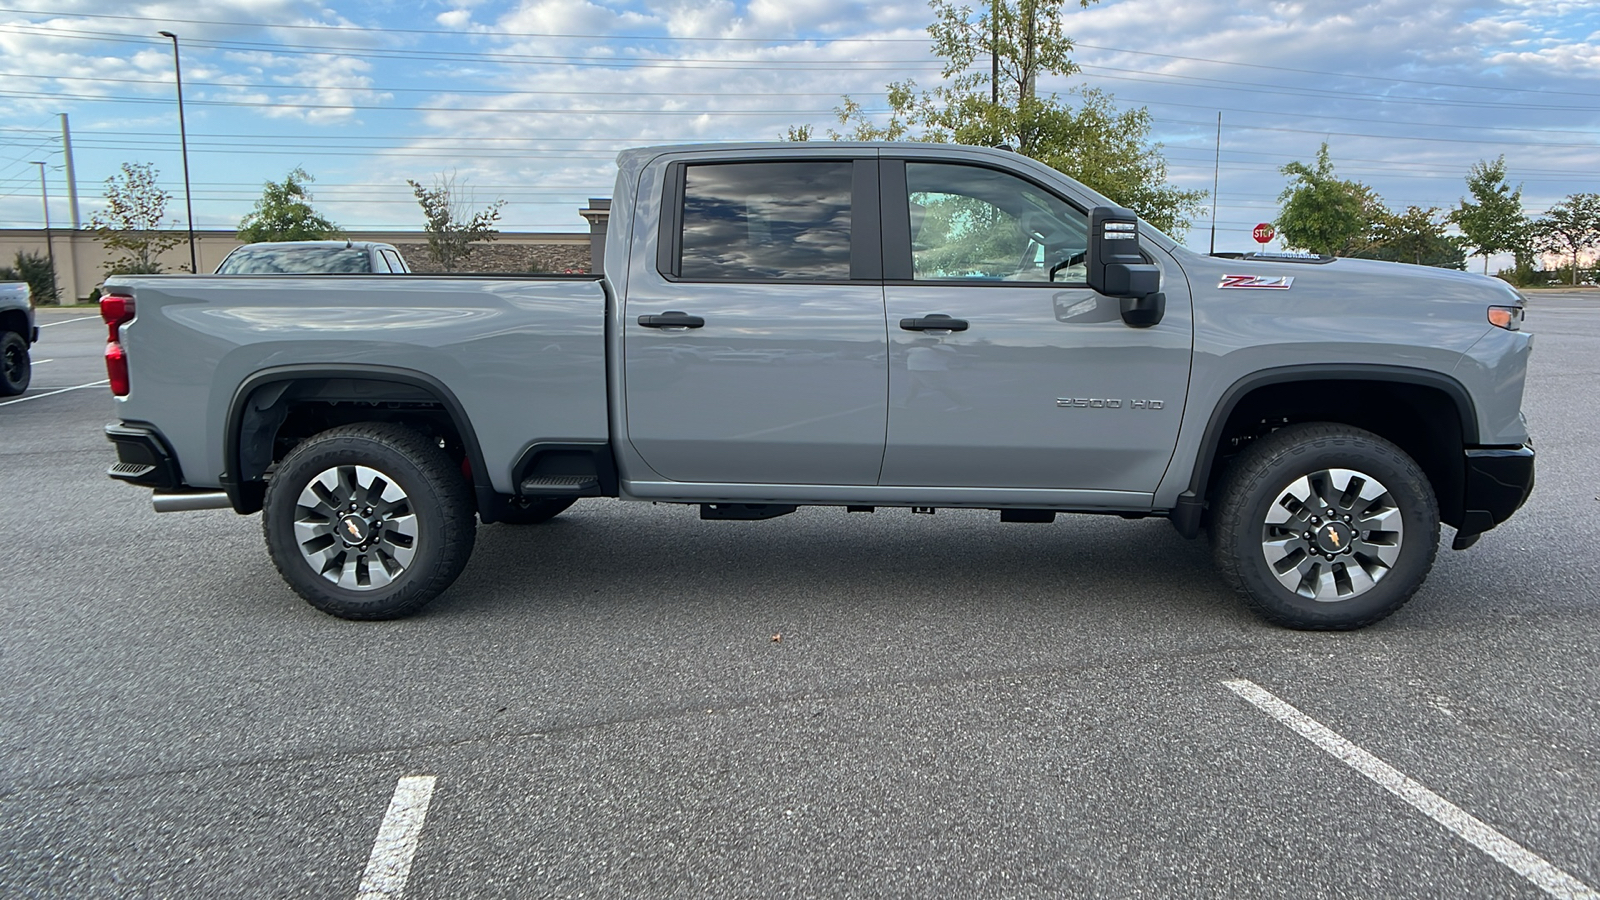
[{"x": 499, "y": 256}]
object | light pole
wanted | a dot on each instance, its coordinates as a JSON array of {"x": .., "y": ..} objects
[
  {"x": 49, "y": 247},
  {"x": 183, "y": 138}
]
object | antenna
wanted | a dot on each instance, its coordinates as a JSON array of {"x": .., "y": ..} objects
[{"x": 1216, "y": 174}]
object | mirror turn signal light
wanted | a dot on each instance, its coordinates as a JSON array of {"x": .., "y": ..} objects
[{"x": 1507, "y": 317}]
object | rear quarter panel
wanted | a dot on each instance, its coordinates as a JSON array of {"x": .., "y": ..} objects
[{"x": 525, "y": 358}]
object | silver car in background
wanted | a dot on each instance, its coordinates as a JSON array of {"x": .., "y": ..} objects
[{"x": 315, "y": 258}]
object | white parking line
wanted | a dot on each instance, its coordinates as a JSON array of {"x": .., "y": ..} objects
[
  {"x": 76, "y": 387},
  {"x": 40, "y": 362},
  {"x": 68, "y": 321},
  {"x": 390, "y": 863},
  {"x": 1469, "y": 828}
]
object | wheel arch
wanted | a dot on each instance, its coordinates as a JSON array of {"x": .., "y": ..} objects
[
  {"x": 16, "y": 320},
  {"x": 262, "y": 403},
  {"x": 1429, "y": 414}
]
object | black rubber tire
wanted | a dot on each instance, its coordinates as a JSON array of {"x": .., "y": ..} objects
[
  {"x": 16, "y": 369},
  {"x": 534, "y": 512},
  {"x": 1257, "y": 478},
  {"x": 440, "y": 498}
]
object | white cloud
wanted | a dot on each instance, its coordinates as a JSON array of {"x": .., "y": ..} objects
[
  {"x": 1439, "y": 67},
  {"x": 569, "y": 17}
]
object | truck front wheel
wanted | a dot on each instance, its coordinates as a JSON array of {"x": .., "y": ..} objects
[
  {"x": 16, "y": 369},
  {"x": 368, "y": 521},
  {"x": 1325, "y": 527}
]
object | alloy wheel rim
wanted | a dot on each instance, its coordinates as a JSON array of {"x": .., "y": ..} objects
[
  {"x": 13, "y": 363},
  {"x": 355, "y": 527},
  {"x": 1332, "y": 535}
]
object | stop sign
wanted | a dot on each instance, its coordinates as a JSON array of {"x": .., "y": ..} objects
[{"x": 1263, "y": 233}]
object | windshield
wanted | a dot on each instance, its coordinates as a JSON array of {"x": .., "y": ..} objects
[{"x": 295, "y": 261}]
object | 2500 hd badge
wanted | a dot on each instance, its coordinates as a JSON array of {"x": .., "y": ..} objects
[{"x": 1099, "y": 403}]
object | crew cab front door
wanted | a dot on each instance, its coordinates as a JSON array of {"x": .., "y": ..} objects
[
  {"x": 754, "y": 342},
  {"x": 1005, "y": 368}
]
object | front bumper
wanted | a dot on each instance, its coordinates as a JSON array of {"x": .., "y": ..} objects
[{"x": 1498, "y": 481}]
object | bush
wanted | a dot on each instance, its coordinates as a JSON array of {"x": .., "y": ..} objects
[
  {"x": 133, "y": 267},
  {"x": 36, "y": 270}
]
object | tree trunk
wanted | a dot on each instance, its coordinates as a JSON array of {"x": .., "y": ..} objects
[{"x": 994, "y": 52}]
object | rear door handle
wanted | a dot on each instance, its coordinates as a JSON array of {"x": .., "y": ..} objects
[
  {"x": 935, "y": 322},
  {"x": 672, "y": 319}
]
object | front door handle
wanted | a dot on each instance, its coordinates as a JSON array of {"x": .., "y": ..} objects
[
  {"x": 935, "y": 322},
  {"x": 672, "y": 319}
]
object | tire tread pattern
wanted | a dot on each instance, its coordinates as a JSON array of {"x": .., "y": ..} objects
[
  {"x": 442, "y": 483},
  {"x": 12, "y": 342},
  {"x": 1235, "y": 535}
]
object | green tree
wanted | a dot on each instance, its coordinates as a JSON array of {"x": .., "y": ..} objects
[
  {"x": 452, "y": 226},
  {"x": 1415, "y": 236},
  {"x": 998, "y": 104},
  {"x": 132, "y": 219},
  {"x": 284, "y": 213},
  {"x": 36, "y": 270},
  {"x": 1571, "y": 226},
  {"x": 1325, "y": 214},
  {"x": 1494, "y": 223}
]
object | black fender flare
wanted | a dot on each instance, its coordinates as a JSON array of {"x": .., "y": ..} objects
[
  {"x": 247, "y": 496},
  {"x": 1187, "y": 512}
]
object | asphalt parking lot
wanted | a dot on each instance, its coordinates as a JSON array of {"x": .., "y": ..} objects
[{"x": 602, "y": 706}]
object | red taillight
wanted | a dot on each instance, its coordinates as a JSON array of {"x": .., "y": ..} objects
[
  {"x": 117, "y": 311},
  {"x": 117, "y": 368}
]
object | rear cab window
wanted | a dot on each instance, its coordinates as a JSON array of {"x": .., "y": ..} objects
[{"x": 768, "y": 221}]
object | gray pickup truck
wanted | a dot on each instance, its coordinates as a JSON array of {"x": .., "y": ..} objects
[{"x": 856, "y": 325}]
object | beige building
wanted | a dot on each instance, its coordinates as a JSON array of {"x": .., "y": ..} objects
[{"x": 81, "y": 261}]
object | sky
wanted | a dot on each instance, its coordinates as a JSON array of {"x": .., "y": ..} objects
[{"x": 530, "y": 101}]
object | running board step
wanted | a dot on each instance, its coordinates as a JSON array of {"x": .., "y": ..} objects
[
  {"x": 560, "y": 486},
  {"x": 130, "y": 471}
]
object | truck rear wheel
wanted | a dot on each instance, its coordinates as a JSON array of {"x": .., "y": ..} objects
[
  {"x": 16, "y": 369},
  {"x": 368, "y": 521},
  {"x": 1325, "y": 527}
]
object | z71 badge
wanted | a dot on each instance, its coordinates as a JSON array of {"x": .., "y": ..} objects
[{"x": 1260, "y": 282}]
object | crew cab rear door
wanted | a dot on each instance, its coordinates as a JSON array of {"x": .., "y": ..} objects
[
  {"x": 1031, "y": 379},
  {"x": 754, "y": 343}
]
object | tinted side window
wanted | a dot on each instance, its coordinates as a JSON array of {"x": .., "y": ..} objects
[
  {"x": 972, "y": 223},
  {"x": 757, "y": 221}
]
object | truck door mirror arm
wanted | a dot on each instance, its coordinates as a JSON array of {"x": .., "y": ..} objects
[{"x": 1116, "y": 266}]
